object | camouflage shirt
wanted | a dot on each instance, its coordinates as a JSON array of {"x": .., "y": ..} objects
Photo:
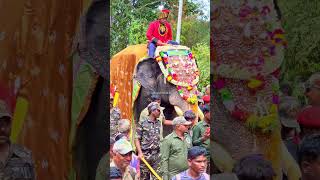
[
  {"x": 148, "y": 133},
  {"x": 18, "y": 166},
  {"x": 145, "y": 115},
  {"x": 115, "y": 116}
]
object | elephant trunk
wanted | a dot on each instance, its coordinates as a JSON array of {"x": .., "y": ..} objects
[{"x": 181, "y": 105}]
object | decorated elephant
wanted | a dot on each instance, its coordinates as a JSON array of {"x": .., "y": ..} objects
[
  {"x": 173, "y": 75},
  {"x": 248, "y": 45}
]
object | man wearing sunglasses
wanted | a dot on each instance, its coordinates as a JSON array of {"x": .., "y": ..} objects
[
  {"x": 309, "y": 117},
  {"x": 122, "y": 155}
]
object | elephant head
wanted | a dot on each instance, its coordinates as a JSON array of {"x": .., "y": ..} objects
[
  {"x": 150, "y": 76},
  {"x": 152, "y": 81}
]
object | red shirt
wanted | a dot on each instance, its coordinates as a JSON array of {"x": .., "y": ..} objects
[
  {"x": 162, "y": 32},
  {"x": 310, "y": 117}
]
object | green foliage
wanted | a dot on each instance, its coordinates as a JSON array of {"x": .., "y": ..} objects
[
  {"x": 121, "y": 16},
  {"x": 301, "y": 21},
  {"x": 195, "y": 31},
  {"x": 137, "y": 32},
  {"x": 202, "y": 54}
]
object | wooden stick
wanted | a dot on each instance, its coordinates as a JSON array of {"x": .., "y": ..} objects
[{"x": 151, "y": 169}]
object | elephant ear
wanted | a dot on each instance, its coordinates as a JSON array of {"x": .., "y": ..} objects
[
  {"x": 92, "y": 38},
  {"x": 147, "y": 72}
]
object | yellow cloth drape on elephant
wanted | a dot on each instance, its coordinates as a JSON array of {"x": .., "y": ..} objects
[{"x": 35, "y": 47}]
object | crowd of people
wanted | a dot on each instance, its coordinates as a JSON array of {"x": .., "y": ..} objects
[
  {"x": 182, "y": 154},
  {"x": 185, "y": 152}
]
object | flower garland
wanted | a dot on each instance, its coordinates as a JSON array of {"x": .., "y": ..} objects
[
  {"x": 259, "y": 23},
  {"x": 271, "y": 55},
  {"x": 266, "y": 123},
  {"x": 188, "y": 91}
]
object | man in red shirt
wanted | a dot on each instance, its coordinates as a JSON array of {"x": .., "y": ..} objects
[{"x": 159, "y": 33}]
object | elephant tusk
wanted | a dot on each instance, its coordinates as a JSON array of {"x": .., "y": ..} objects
[{"x": 178, "y": 111}]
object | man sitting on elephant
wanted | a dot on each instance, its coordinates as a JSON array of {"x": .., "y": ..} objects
[{"x": 159, "y": 33}]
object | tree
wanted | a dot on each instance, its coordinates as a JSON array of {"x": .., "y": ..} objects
[
  {"x": 202, "y": 54},
  {"x": 301, "y": 21}
]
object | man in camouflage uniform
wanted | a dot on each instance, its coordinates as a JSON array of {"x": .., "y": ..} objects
[
  {"x": 115, "y": 116},
  {"x": 145, "y": 114},
  {"x": 148, "y": 141},
  {"x": 15, "y": 161}
]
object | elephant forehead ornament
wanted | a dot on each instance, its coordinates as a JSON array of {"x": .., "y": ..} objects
[
  {"x": 248, "y": 43},
  {"x": 179, "y": 67}
]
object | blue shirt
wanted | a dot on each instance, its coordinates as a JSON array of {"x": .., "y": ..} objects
[{"x": 184, "y": 176}]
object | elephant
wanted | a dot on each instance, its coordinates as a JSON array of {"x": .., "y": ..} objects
[
  {"x": 90, "y": 139},
  {"x": 91, "y": 42},
  {"x": 149, "y": 75},
  {"x": 245, "y": 118}
]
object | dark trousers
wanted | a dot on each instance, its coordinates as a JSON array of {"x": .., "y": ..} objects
[{"x": 153, "y": 158}]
